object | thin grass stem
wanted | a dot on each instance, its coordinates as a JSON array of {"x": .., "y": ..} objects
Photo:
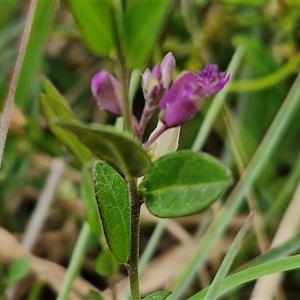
[
  {"x": 15, "y": 77},
  {"x": 75, "y": 261}
]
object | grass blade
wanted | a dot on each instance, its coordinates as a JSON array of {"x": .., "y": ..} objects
[
  {"x": 215, "y": 286},
  {"x": 16, "y": 74}
]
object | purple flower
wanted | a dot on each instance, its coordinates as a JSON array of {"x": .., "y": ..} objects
[
  {"x": 182, "y": 101},
  {"x": 107, "y": 91},
  {"x": 157, "y": 81},
  {"x": 187, "y": 94},
  {"x": 211, "y": 80}
]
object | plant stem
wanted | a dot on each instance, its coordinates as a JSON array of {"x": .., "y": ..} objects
[
  {"x": 154, "y": 137},
  {"x": 126, "y": 112},
  {"x": 133, "y": 261},
  {"x": 14, "y": 81},
  {"x": 75, "y": 262},
  {"x": 132, "y": 264},
  {"x": 124, "y": 72},
  {"x": 145, "y": 118}
]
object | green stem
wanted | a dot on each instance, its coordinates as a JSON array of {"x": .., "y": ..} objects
[
  {"x": 126, "y": 101},
  {"x": 133, "y": 261},
  {"x": 75, "y": 262},
  {"x": 132, "y": 264},
  {"x": 124, "y": 72},
  {"x": 292, "y": 66},
  {"x": 154, "y": 137}
]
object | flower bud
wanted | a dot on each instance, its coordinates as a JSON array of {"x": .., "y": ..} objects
[
  {"x": 157, "y": 81},
  {"x": 107, "y": 91},
  {"x": 151, "y": 86},
  {"x": 167, "y": 69},
  {"x": 187, "y": 94}
]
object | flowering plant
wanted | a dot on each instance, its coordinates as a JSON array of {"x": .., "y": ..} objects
[
  {"x": 129, "y": 176},
  {"x": 171, "y": 184},
  {"x": 177, "y": 104}
]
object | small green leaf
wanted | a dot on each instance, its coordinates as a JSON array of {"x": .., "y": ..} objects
[
  {"x": 95, "y": 295},
  {"x": 106, "y": 265},
  {"x": 113, "y": 203},
  {"x": 94, "y": 18},
  {"x": 120, "y": 150},
  {"x": 159, "y": 295},
  {"x": 52, "y": 92},
  {"x": 18, "y": 270},
  {"x": 54, "y": 108},
  {"x": 183, "y": 183},
  {"x": 90, "y": 204},
  {"x": 142, "y": 24}
]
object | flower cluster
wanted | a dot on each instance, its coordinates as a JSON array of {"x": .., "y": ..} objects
[
  {"x": 187, "y": 94},
  {"x": 177, "y": 104}
]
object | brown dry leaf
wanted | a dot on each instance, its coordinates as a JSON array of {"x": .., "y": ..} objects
[
  {"x": 172, "y": 226},
  {"x": 50, "y": 273},
  {"x": 43, "y": 162},
  {"x": 165, "y": 268}
]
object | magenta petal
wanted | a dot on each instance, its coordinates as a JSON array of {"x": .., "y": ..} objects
[
  {"x": 179, "y": 89},
  {"x": 156, "y": 72},
  {"x": 182, "y": 101},
  {"x": 187, "y": 94},
  {"x": 179, "y": 113}
]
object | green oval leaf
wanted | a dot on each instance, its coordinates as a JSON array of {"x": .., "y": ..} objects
[
  {"x": 183, "y": 183},
  {"x": 159, "y": 295},
  {"x": 120, "y": 150},
  {"x": 56, "y": 107},
  {"x": 94, "y": 19},
  {"x": 113, "y": 203}
]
